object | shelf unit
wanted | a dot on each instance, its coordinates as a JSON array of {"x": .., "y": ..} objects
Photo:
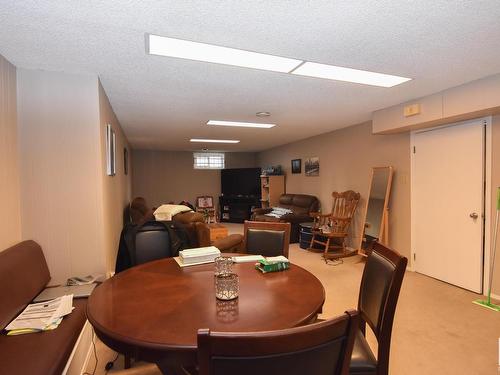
[{"x": 271, "y": 188}]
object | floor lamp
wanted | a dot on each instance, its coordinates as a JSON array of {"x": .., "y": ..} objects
[{"x": 487, "y": 303}]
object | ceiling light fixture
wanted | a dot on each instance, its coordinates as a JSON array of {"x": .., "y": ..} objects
[
  {"x": 338, "y": 73},
  {"x": 163, "y": 46},
  {"x": 184, "y": 49},
  {"x": 240, "y": 124},
  {"x": 263, "y": 114},
  {"x": 214, "y": 140}
]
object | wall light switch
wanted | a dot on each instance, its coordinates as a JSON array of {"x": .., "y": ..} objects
[{"x": 411, "y": 110}]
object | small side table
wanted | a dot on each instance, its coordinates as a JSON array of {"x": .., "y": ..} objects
[{"x": 217, "y": 231}]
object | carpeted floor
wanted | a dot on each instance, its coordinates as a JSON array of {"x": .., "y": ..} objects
[{"x": 437, "y": 330}]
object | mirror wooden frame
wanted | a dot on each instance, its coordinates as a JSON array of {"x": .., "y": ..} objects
[{"x": 384, "y": 225}]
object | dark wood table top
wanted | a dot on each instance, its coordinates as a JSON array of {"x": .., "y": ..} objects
[{"x": 161, "y": 306}]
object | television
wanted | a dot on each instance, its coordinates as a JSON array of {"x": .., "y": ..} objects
[{"x": 240, "y": 182}]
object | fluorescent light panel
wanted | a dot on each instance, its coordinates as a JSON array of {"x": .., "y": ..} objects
[
  {"x": 214, "y": 140},
  {"x": 338, "y": 73},
  {"x": 240, "y": 124},
  {"x": 163, "y": 46},
  {"x": 171, "y": 47}
]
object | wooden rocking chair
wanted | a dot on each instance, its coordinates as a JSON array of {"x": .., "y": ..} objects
[{"x": 331, "y": 230}]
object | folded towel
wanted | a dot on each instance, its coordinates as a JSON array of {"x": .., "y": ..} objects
[{"x": 166, "y": 211}]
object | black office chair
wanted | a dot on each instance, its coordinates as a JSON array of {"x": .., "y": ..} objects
[
  {"x": 317, "y": 349},
  {"x": 378, "y": 296},
  {"x": 152, "y": 242}
]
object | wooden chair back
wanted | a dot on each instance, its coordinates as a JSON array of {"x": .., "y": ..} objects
[
  {"x": 378, "y": 296},
  {"x": 321, "y": 348},
  {"x": 266, "y": 238},
  {"x": 343, "y": 207}
]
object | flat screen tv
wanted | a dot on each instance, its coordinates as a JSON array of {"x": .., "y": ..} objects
[{"x": 240, "y": 181}]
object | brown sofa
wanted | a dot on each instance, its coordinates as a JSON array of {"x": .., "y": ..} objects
[
  {"x": 301, "y": 205},
  {"x": 24, "y": 274},
  {"x": 196, "y": 228},
  {"x": 199, "y": 233}
]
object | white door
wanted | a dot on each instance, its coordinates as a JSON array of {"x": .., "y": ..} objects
[{"x": 448, "y": 196}]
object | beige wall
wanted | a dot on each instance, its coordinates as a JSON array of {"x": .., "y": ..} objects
[
  {"x": 117, "y": 188},
  {"x": 164, "y": 176},
  {"x": 346, "y": 158},
  {"x": 10, "y": 215},
  {"x": 61, "y": 177}
]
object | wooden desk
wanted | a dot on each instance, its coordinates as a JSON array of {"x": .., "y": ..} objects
[{"x": 155, "y": 310}]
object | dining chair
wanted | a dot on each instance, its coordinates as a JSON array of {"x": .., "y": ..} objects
[
  {"x": 152, "y": 242},
  {"x": 316, "y": 349},
  {"x": 266, "y": 238},
  {"x": 378, "y": 296}
]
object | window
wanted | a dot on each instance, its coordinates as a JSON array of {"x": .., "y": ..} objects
[{"x": 205, "y": 160}]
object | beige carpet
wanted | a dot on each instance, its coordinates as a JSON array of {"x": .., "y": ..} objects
[{"x": 437, "y": 329}]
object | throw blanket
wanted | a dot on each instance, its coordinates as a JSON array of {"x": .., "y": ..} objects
[
  {"x": 279, "y": 212},
  {"x": 166, "y": 211}
]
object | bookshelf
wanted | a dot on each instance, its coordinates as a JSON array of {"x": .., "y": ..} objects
[{"x": 271, "y": 188}]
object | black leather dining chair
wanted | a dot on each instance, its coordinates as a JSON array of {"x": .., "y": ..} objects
[
  {"x": 378, "y": 296},
  {"x": 152, "y": 242},
  {"x": 266, "y": 238},
  {"x": 316, "y": 349}
]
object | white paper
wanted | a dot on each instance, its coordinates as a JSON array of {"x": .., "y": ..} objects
[
  {"x": 43, "y": 315},
  {"x": 247, "y": 258}
]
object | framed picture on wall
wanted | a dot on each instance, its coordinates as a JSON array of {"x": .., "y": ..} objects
[
  {"x": 110, "y": 151},
  {"x": 125, "y": 160},
  {"x": 311, "y": 166},
  {"x": 205, "y": 202},
  {"x": 297, "y": 166}
]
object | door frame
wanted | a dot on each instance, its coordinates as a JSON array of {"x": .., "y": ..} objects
[{"x": 487, "y": 195}]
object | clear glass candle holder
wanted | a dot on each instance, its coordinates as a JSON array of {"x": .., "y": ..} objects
[
  {"x": 227, "y": 311},
  {"x": 226, "y": 286},
  {"x": 223, "y": 265}
]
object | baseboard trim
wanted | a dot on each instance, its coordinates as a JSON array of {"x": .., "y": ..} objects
[{"x": 81, "y": 353}]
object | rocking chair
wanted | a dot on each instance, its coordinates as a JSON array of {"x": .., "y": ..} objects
[{"x": 331, "y": 230}]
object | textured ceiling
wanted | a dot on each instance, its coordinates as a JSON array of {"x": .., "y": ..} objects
[{"x": 162, "y": 102}]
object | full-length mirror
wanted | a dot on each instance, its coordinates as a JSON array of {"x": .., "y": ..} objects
[{"x": 376, "y": 224}]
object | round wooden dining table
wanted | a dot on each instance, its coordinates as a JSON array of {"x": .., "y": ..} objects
[{"x": 153, "y": 311}]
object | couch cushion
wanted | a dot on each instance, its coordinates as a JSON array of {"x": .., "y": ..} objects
[
  {"x": 23, "y": 274},
  {"x": 300, "y": 204},
  {"x": 44, "y": 352}
]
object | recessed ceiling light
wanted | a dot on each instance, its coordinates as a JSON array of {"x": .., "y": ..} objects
[
  {"x": 263, "y": 114},
  {"x": 338, "y": 73},
  {"x": 214, "y": 140},
  {"x": 163, "y": 46},
  {"x": 240, "y": 124}
]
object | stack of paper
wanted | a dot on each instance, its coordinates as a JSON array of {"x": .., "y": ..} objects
[
  {"x": 42, "y": 316},
  {"x": 199, "y": 255}
]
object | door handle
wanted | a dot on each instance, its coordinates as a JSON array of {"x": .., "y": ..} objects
[{"x": 474, "y": 215}]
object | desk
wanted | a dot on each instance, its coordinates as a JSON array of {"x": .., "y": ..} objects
[{"x": 155, "y": 309}]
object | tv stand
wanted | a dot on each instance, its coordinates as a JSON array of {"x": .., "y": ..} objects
[{"x": 237, "y": 208}]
